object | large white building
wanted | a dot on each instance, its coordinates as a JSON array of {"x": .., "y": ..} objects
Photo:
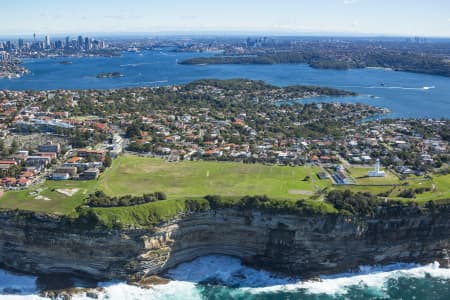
[{"x": 376, "y": 171}]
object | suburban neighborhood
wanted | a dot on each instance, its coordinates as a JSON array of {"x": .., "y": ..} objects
[{"x": 75, "y": 135}]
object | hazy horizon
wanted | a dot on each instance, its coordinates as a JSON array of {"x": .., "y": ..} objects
[
  {"x": 193, "y": 34},
  {"x": 283, "y": 17}
]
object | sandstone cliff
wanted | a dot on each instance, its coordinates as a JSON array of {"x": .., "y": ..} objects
[{"x": 306, "y": 246}]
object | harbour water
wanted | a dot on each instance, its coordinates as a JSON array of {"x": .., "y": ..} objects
[{"x": 405, "y": 94}]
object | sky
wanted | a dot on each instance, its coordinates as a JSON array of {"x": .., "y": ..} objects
[{"x": 361, "y": 17}]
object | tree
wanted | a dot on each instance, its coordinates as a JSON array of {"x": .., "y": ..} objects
[
  {"x": 133, "y": 130},
  {"x": 160, "y": 195},
  {"x": 14, "y": 147},
  {"x": 14, "y": 171},
  {"x": 108, "y": 161}
]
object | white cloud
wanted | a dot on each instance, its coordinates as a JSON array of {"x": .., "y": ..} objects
[{"x": 348, "y": 2}]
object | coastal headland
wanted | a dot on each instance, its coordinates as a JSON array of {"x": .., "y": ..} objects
[{"x": 302, "y": 245}]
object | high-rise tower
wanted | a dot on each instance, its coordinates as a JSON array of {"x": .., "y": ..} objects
[{"x": 47, "y": 42}]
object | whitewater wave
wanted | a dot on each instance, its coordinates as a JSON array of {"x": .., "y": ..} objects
[
  {"x": 227, "y": 270},
  {"x": 374, "y": 279},
  {"x": 229, "y": 276}
]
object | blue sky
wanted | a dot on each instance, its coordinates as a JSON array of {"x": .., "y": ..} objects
[{"x": 390, "y": 17}]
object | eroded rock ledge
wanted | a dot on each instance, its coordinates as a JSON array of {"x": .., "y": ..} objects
[{"x": 304, "y": 246}]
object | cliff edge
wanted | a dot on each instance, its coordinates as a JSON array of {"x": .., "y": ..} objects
[{"x": 301, "y": 245}]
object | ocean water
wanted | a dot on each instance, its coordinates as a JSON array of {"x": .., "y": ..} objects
[
  {"x": 405, "y": 94},
  {"x": 222, "y": 277}
]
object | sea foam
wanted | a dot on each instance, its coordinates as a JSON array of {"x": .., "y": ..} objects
[{"x": 229, "y": 274}]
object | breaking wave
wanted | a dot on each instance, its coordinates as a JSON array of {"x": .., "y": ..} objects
[{"x": 222, "y": 277}]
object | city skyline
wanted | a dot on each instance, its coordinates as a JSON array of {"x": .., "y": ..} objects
[{"x": 341, "y": 17}]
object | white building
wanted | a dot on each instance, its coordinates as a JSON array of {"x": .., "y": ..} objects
[{"x": 376, "y": 172}]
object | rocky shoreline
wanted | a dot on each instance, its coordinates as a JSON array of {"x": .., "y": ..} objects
[{"x": 305, "y": 246}]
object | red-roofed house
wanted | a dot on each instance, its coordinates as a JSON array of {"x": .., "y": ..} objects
[{"x": 8, "y": 162}]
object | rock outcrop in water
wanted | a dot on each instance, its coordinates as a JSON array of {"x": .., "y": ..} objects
[{"x": 305, "y": 246}]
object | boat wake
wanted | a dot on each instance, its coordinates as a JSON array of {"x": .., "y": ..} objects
[
  {"x": 424, "y": 88},
  {"x": 141, "y": 83},
  {"x": 135, "y": 65}
]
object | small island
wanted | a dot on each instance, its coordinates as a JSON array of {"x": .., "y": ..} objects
[{"x": 110, "y": 75}]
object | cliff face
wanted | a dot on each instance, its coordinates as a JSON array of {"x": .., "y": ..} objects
[{"x": 306, "y": 246}]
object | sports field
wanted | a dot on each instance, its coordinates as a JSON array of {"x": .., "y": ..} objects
[{"x": 138, "y": 175}]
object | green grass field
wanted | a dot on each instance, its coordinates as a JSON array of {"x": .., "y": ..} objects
[
  {"x": 137, "y": 175},
  {"x": 50, "y": 196},
  {"x": 360, "y": 175},
  {"x": 186, "y": 179},
  {"x": 439, "y": 188}
]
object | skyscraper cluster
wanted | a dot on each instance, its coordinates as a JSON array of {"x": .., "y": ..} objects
[{"x": 81, "y": 44}]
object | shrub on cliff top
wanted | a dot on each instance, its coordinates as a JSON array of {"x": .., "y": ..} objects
[
  {"x": 264, "y": 203},
  {"x": 100, "y": 199},
  {"x": 86, "y": 219},
  {"x": 354, "y": 203}
]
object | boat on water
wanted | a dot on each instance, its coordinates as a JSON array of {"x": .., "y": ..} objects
[{"x": 133, "y": 49}]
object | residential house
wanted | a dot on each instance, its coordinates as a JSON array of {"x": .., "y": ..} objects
[{"x": 50, "y": 147}]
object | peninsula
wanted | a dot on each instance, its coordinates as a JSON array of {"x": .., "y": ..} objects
[
  {"x": 126, "y": 183},
  {"x": 339, "y": 55}
]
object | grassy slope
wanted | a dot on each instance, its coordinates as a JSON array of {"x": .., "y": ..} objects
[
  {"x": 440, "y": 189},
  {"x": 141, "y": 215}
]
